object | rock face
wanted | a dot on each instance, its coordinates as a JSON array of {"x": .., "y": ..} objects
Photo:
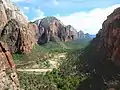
[
  {"x": 11, "y": 35},
  {"x": 9, "y": 11},
  {"x": 28, "y": 37},
  {"x": 81, "y": 34},
  {"x": 15, "y": 29},
  {"x": 69, "y": 33},
  {"x": 109, "y": 37},
  {"x": 3, "y": 16},
  {"x": 19, "y": 37},
  {"x": 50, "y": 29},
  {"x": 102, "y": 55},
  {"x": 8, "y": 76}
]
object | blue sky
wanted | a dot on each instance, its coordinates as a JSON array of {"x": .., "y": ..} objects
[{"x": 86, "y": 15}]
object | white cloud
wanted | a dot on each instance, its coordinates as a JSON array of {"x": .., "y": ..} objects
[
  {"x": 26, "y": 9},
  {"x": 89, "y": 22},
  {"x": 39, "y": 14}
]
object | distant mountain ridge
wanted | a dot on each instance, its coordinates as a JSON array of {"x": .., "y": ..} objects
[
  {"x": 92, "y": 35},
  {"x": 51, "y": 28},
  {"x": 82, "y": 35}
]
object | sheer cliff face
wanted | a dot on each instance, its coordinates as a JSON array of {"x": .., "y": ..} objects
[
  {"x": 50, "y": 28},
  {"x": 8, "y": 76},
  {"x": 109, "y": 37},
  {"x": 16, "y": 35},
  {"x": 3, "y": 16},
  {"x": 19, "y": 37},
  {"x": 81, "y": 34},
  {"x": 15, "y": 29},
  {"x": 9, "y": 11}
]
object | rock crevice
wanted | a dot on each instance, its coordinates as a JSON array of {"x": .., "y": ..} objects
[{"x": 8, "y": 76}]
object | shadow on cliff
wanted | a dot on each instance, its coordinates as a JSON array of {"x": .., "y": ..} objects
[{"x": 103, "y": 74}]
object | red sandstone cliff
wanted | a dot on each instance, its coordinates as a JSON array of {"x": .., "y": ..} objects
[
  {"x": 109, "y": 36},
  {"x": 8, "y": 76}
]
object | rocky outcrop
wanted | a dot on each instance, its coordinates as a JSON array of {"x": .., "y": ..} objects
[
  {"x": 102, "y": 55},
  {"x": 9, "y": 11},
  {"x": 109, "y": 37},
  {"x": 11, "y": 35},
  {"x": 48, "y": 29},
  {"x": 8, "y": 76},
  {"x": 29, "y": 37},
  {"x": 68, "y": 33},
  {"x": 3, "y": 16},
  {"x": 15, "y": 29},
  {"x": 51, "y": 29},
  {"x": 81, "y": 34},
  {"x": 19, "y": 37}
]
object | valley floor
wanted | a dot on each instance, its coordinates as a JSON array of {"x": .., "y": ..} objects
[
  {"x": 52, "y": 64},
  {"x": 56, "y": 66}
]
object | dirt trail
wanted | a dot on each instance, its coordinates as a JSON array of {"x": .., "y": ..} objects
[
  {"x": 54, "y": 61},
  {"x": 34, "y": 70}
]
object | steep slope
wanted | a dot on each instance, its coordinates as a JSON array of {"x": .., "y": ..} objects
[
  {"x": 18, "y": 36},
  {"x": 109, "y": 37},
  {"x": 102, "y": 56},
  {"x": 9, "y": 11},
  {"x": 15, "y": 30},
  {"x": 70, "y": 33},
  {"x": 8, "y": 76}
]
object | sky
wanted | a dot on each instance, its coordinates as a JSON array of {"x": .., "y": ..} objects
[{"x": 85, "y": 15}]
